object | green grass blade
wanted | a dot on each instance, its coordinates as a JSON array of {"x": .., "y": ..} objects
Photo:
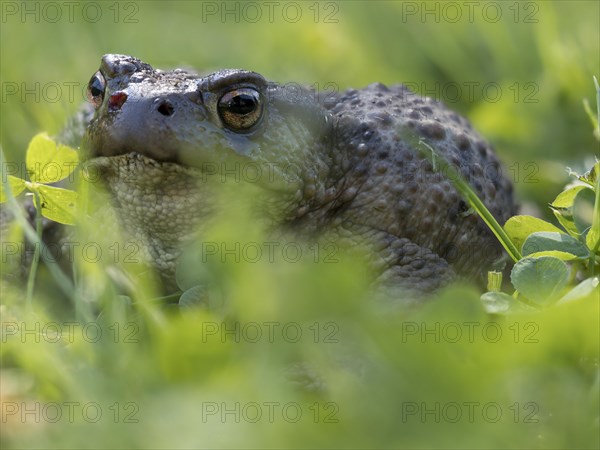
[{"x": 461, "y": 185}]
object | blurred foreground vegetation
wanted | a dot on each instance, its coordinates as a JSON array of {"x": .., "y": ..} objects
[{"x": 291, "y": 354}]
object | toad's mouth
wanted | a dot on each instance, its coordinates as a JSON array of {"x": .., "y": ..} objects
[
  {"x": 134, "y": 167},
  {"x": 187, "y": 143},
  {"x": 104, "y": 140},
  {"x": 199, "y": 155}
]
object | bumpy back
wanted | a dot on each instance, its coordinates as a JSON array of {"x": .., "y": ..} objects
[{"x": 387, "y": 135}]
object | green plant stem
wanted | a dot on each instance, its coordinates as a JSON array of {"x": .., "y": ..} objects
[
  {"x": 596, "y": 216},
  {"x": 518, "y": 296},
  {"x": 597, "y": 103},
  {"x": 487, "y": 217},
  {"x": 36, "y": 254},
  {"x": 465, "y": 190},
  {"x": 171, "y": 298},
  {"x": 595, "y": 222}
]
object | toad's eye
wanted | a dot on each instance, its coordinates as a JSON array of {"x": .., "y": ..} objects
[
  {"x": 96, "y": 88},
  {"x": 241, "y": 108}
]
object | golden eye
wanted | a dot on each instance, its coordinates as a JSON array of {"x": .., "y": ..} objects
[
  {"x": 241, "y": 109},
  {"x": 96, "y": 89}
]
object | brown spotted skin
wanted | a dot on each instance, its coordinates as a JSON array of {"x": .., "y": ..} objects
[
  {"x": 360, "y": 175},
  {"x": 425, "y": 231}
]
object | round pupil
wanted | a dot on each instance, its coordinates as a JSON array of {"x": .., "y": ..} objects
[{"x": 242, "y": 104}]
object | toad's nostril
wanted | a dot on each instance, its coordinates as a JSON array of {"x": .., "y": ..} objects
[{"x": 165, "y": 108}]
